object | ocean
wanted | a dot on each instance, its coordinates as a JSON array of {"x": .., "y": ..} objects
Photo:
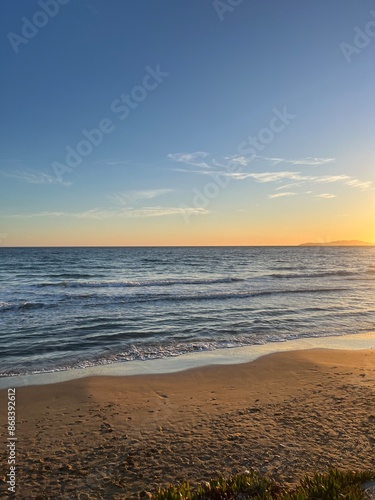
[{"x": 63, "y": 308}]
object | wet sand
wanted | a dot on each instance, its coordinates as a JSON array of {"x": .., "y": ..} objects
[{"x": 286, "y": 414}]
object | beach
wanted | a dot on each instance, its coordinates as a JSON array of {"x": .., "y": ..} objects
[{"x": 285, "y": 414}]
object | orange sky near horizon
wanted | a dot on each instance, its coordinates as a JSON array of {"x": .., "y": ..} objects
[{"x": 209, "y": 230}]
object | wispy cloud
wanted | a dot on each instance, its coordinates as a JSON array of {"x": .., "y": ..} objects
[
  {"x": 287, "y": 186},
  {"x": 268, "y": 176},
  {"x": 195, "y": 159},
  {"x": 33, "y": 177},
  {"x": 101, "y": 214},
  {"x": 309, "y": 160},
  {"x": 191, "y": 158},
  {"x": 242, "y": 161},
  {"x": 126, "y": 197},
  {"x": 163, "y": 211},
  {"x": 326, "y": 195},
  {"x": 356, "y": 183},
  {"x": 299, "y": 178},
  {"x": 281, "y": 195}
]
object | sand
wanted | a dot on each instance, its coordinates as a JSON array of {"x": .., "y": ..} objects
[{"x": 286, "y": 414}]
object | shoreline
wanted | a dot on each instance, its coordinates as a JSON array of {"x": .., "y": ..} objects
[
  {"x": 286, "y": 414},
  {"x": 222, "y": 356}
]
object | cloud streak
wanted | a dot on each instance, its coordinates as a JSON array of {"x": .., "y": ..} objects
[
  {"x": 194, "y": 159},
  {"x": 326, "y": 195},
  {"x": 101, "y": 214},
  {"x": 33, "y": 177},
  {"x": 191, "y": 158},
  {"x": 126, "y": 197},
  {"x": 298, "y": 177},
  {"x": 309, "y": 161},
  {"x": 281, "y": 195}
]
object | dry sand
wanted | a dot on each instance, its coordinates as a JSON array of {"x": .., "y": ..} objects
[{"x": 110, "y": 437}]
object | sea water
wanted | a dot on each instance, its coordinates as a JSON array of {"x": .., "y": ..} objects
[{"x": 64, "y": 308}]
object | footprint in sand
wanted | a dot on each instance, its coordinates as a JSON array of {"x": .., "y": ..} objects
[{"x": 162, "y": 395}]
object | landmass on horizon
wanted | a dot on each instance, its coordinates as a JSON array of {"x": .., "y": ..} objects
[{"x": 341, "y": 243}]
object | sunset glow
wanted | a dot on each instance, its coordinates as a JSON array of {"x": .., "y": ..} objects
[{"x": 259, "y": 139}]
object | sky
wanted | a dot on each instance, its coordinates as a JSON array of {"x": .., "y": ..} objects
[{"x": 200, "y": 122}]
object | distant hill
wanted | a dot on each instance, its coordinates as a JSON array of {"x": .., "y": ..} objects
[{"x": 344, "y": 243}]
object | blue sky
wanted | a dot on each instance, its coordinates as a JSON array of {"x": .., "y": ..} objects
[{"x": 224, "y": 72}]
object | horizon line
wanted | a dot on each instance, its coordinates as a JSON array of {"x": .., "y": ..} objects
[{"x": 365, "y": 244}]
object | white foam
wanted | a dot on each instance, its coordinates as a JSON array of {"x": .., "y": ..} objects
[{"x": 225, "y": 356}]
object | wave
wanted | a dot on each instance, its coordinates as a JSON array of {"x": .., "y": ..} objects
[
  {"x": 226, "y": 296},
  {"x": 7, "y": 306},
  {"x": 144, "y": 352},
  {"x": 119, "y": 300},
  {"x": 98, "y": 299},
  {"x": 312, "y": 275},
  {"x": 143, "y": 283}
]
